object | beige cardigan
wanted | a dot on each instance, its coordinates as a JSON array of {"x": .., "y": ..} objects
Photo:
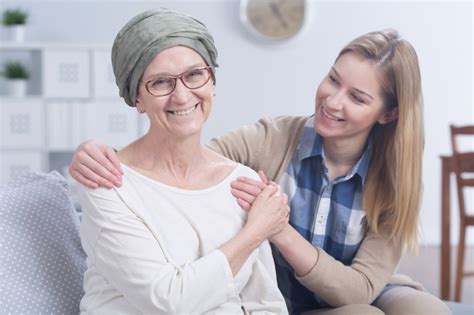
[{"x": 269, "y": 146}]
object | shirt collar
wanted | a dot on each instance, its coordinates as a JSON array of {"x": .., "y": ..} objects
[
  {"x": 311, "y": 145},
  {"x": 360, "y": 168}
]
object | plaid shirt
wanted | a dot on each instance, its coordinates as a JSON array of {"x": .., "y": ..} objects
[{"x": 327, "y": 214}]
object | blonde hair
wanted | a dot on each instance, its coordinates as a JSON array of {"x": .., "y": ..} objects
[{"x": 392, "y": 192}]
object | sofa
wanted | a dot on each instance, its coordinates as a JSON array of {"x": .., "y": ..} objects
[{"x": 43, "y": 263}]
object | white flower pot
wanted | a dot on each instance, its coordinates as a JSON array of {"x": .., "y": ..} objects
[
  {"x": 16, "y": 33},
  {"x": 16, "y": 87}
]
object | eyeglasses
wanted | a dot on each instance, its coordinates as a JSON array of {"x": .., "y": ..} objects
[{"x": 165, "y": 85}]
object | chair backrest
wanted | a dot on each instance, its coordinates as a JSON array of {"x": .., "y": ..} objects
[{"x": 462, "y": 163}]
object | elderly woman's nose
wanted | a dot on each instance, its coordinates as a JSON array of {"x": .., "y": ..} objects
[{"x": 181, "y": 92}]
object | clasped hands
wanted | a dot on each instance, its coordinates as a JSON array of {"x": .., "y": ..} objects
[{"x": 265, "y": 203}]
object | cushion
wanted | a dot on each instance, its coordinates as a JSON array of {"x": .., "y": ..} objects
[{"x": 42, "y": 261}]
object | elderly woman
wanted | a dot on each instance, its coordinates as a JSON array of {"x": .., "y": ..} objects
[{"x": 172, "y": 239}]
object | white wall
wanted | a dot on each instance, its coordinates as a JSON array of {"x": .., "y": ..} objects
[{"x": 257, "y": 79}]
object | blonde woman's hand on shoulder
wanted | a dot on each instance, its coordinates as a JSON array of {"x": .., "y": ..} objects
[{"x": 95, "y": 164}]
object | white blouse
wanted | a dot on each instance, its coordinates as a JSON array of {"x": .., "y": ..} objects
[{"x": 152, "y": 249}]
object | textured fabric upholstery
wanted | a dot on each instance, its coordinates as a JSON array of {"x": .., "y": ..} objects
[{"x": 42, "y": 262}]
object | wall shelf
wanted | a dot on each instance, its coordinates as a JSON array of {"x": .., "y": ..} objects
[{"x": 71, "y": 97}]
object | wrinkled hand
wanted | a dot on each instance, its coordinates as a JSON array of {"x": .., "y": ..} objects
[
  {"x": 246, "y": 189},
  {"x": 95, "y": 164},
  {"x": 269, "y": 212}
]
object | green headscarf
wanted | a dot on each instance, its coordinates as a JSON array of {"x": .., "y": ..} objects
[{"x": 148, "y": 33}]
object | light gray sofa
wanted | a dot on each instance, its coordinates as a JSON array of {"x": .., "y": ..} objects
[{"x": 42, "y": 261}]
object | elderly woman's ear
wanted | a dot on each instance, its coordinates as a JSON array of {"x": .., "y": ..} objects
[{"x": 139, "y": 106}]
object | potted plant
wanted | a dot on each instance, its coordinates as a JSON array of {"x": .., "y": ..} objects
[
  {"x": 15, "y": 20},
  {"x": 16, "y": 78}
]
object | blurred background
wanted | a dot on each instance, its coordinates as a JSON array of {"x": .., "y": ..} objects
[{"x": 71, "y": 95}]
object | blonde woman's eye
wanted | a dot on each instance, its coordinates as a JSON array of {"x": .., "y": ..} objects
[
  {"x": 358, "y": 99},
  {"x": 333, "y": 79}
]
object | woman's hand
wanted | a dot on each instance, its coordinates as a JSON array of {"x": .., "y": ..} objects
[
  {"x": 267, "y": 217},
  {"x": 246, "y": 189},
  {"x": 95, "y": 164},
  {"x": 269, "y": 213}
]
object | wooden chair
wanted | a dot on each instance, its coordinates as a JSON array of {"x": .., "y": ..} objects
[{"x": 460, "y": 163}]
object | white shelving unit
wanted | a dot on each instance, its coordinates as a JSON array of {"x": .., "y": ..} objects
[{"x": 71, "y": 97}]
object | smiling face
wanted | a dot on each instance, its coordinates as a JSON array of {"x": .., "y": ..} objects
[
  {"x": 183, "y": 112},
  {"x": 348, "y": 100}
]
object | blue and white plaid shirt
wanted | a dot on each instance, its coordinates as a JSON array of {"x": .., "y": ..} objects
[{"x": 328, "y": 214}]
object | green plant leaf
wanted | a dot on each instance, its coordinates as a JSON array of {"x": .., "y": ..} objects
[
  {"x": 14, "y": 17},
  {"x": 15, "y": 70}
]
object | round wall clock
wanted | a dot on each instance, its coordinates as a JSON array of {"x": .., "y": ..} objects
[{"x": 275, "y": 20}]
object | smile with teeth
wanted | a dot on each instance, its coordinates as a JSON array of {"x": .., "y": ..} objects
[
  {"x": 183, "y": 112},
  {"x": 329, "y": 116}
]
